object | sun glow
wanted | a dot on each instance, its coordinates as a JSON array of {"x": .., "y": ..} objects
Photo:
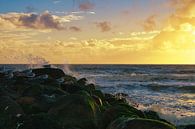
[{"x": 118, "y": 36}]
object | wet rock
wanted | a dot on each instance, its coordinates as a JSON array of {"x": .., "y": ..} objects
[
  {"x": 9, "y": 111},
  {"x": 99, "y": 93},
  {"x": 33, "y": 91},
  {"x": 76, "y": 111},
  {"x": 9, "y": 106},
  {"x": 26, "y": 100},
  {"x": 138, "y": 123},
  {"x": 186, "y": 127},
  {"x": 82, "y": 81},
  {"x": 70, "y": 87},
  {"x": 97, "y": 100},
  {"x": 151, "y": 115},
  {"x": 154, "y": 115},
  {"x": 111, "y": 99},
  {"x": 117, "y": 111},
  {"x": 51, "y": 72},
  {"x": 39, "y": 121}
]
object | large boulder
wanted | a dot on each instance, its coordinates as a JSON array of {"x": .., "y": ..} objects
[
  {"x": 76, "y": 110},
  {"x": 154, "y": 115},
  {"x": 139, "y": 123},
  {"x": 9, "y": 111},
  {"x": 51, "y": 72},
  {"x": 117, "y": 111},
  {"x": 38, "y": 121}
]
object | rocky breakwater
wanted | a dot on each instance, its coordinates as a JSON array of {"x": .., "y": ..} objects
[{"x": 47, "y": 98}]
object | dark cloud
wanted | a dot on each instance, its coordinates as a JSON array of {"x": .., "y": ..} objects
[
  {"x": 150, "y": 23},
  {"x": 86, "y": 6},
  {"x": 104, "y": 26},
  {"x": 75, "y": 28},
  {"x": 42, "y": 21},
  {"x": 45, "y": 20}
]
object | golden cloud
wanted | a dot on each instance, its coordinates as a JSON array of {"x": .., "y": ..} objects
[
  {"x": 150, "y": 23},
  {"x": 104, "y": 26}
]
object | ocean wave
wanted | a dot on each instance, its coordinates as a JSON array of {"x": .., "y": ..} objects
[{"x": 179, "y": 86}]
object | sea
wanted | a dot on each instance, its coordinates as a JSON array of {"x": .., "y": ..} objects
[{"x": 166, "y": 89}]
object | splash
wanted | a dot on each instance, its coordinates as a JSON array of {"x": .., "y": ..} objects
[
  {"x": 175, "y": 118},
  {"x": 36, "y": 61}
]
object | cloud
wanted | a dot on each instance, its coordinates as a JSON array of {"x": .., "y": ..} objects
[
  {"x": 44, "y": 20},
  {"x": 184, "y": 13},
  {"x": 75, "y": 28},
  {"x": 86, "y": 6},
  {"x": 150, "y": 23},
  {"x": 104, "y": 26}
]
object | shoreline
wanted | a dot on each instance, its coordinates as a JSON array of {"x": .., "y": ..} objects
[{"x": 31, "y": 93}]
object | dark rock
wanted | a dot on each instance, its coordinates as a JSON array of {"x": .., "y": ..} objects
[
  {"x": 70, "y": 88},
  {"x": 111, "y": 99},
  {"x": 33, "y": 91},
  {"x": 9, "y": 111},
  {"x": 116, "y": 111},
  {"x": 152, "y": 115},
  {"x": 76, "y": 111},
  {"x": 186, "y": 127},
  {"x": 82, "y": 81},
  {"x": 99, "y": 94},
  {"x": 138, "y": 123},
  {"x": 39, "y": 121},
  {"x": 51, "y": 72},
  {"x": 97, "y": 100}
]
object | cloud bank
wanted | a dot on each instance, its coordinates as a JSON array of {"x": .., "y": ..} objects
[{"x": 44, "y": 20}]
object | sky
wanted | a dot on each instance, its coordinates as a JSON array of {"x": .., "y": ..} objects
[{"x": 97, "y": 31}]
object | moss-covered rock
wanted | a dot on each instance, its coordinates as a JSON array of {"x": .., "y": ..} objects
[
  {"x": 139, "y": 123},
  {"x": 117, "y": 111},
  {"x": 76, "y": 111},
  {"x": 154, "y": 115},
  {"x": 9, "y": 111}
]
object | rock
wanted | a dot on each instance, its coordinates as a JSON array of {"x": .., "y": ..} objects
[
  {"x": 99, "y": 94},
  {"x": 138, "y": 123},
  {"x": 186, "y": 127},
  {"x": 9, "y": 106},
  {"x": 9, "y": 111},
  {"x": 152, "y": 115},
  {"x": 90, "y": 88},
  {"x": 117, "y": 111},
  {"x": 111, "y": 99},
  {"x": 68, "y": 78},
  {"x": 33, "y": 91},
  {"x": 82, "y": 81},
  {"x": 97, "y": 100},
  {"x": 39, "y": 121},
  {"x": 70, "y": 87},
  {"x": 51, "y": 72},
  {"x": 76, "y": 111},
  {"x": 5, "y": 91},
  {"x": 26, "y": 100}
]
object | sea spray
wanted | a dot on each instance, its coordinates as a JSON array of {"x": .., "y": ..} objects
[{"x": 36, "y": 61}]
